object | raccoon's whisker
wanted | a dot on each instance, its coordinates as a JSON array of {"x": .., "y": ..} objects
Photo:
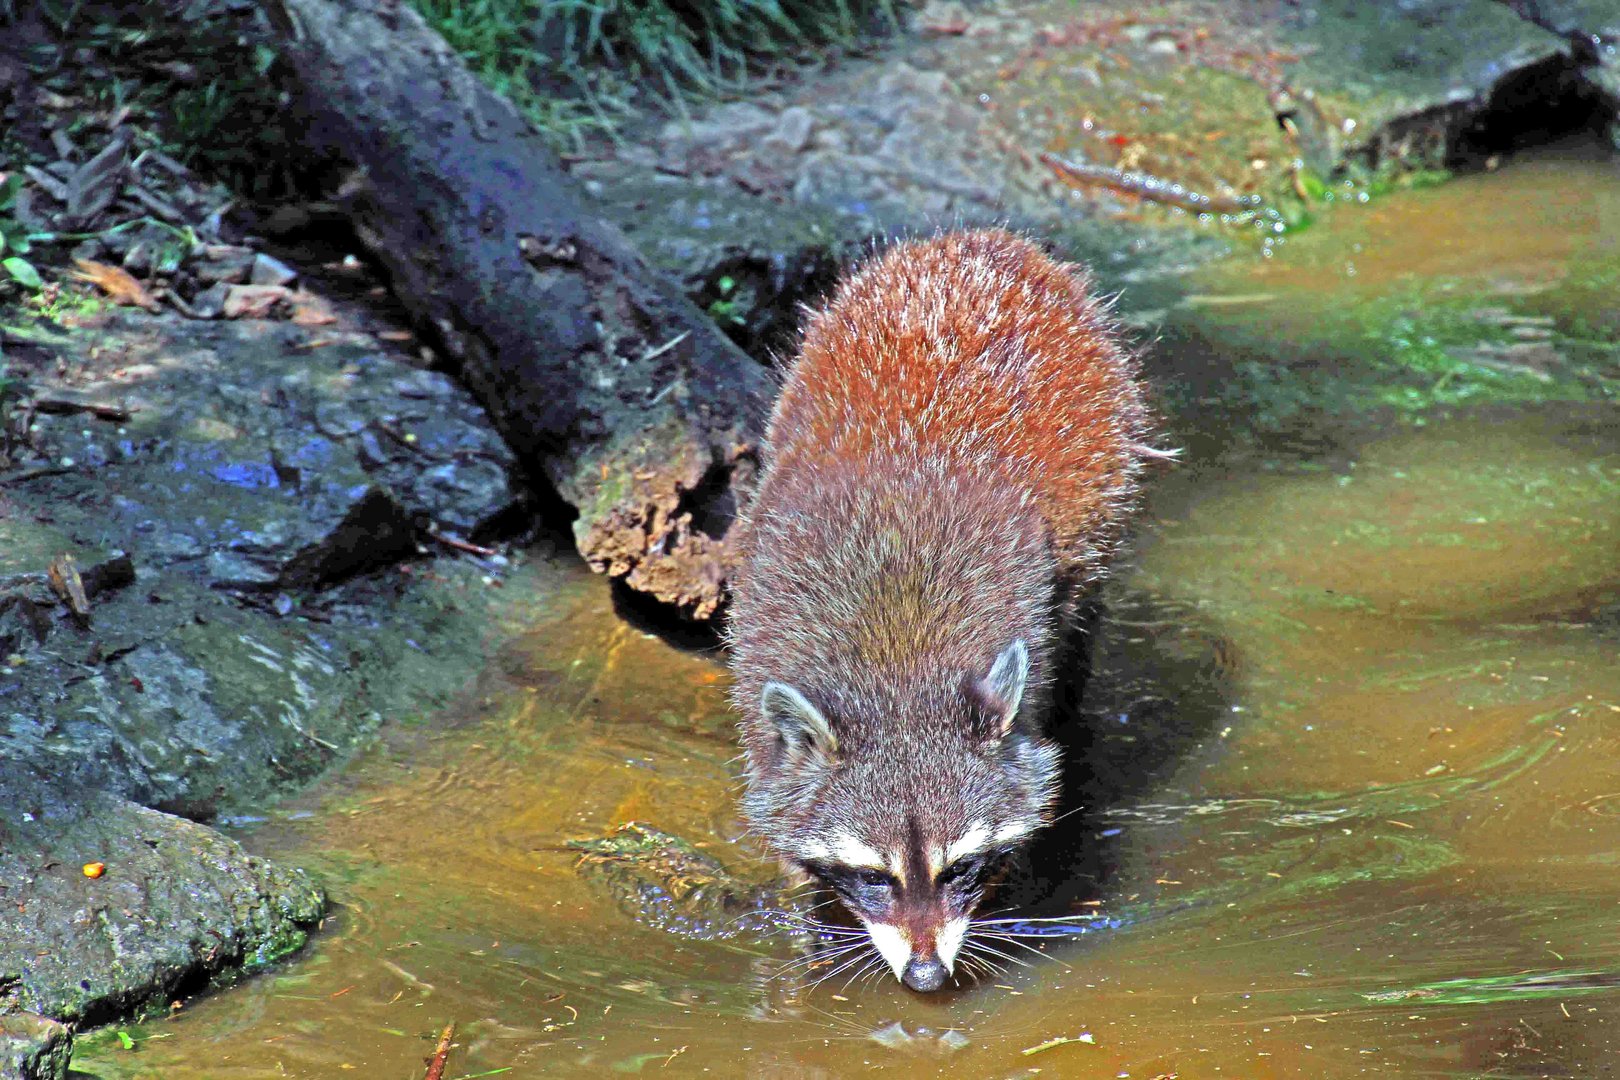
[
  {"x": 808, "y": 978},
  {"x": 1044, "y": 956},
  {"x": 866, "y": 969},
  {"x": 990, "y": 967},
  {"x": 1066, "y": 814},
  {"x": 1079, "y": 916},
  {"x": 859, "y": 956},
  {"x": 983, "y": 944},
  {"x": 1014, "y": 939},
  {"x": 785, "y": 913},
  {"x": 974, "y": 965},
  {"x": 983, "y": 949},
  {"x": 820, "y": 957},
  {"x": 770, "y": 914},
  {"x": 805, "y": 917},
  {"x": 1025, "y": 945},
  {"x": 822, "y": 927},
  {"x": 873, "y": 971},
  {"x": 775, "y": 913},
  {"x": 825, "y": 937},
  {"x": 1028, "y": 937}
]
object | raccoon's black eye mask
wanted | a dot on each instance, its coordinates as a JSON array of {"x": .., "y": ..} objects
[
  {"x": 968, "y": 874},
  {"x": 964, "y": 873},
  {"x": 972, "y": 873},
  {"x": 851, "y": 880}
]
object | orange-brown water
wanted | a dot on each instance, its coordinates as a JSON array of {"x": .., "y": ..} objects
[{"x": 1380, "y": 837}]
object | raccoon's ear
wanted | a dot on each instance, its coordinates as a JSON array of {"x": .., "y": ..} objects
[
  {"x": 1000, "y": 692},
  {"x": 800, "y": 724}
]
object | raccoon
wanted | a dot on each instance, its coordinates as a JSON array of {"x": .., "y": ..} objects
[{"x": 948, "y": 469}]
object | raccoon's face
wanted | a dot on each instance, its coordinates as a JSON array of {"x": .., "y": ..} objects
[
  {"x": 908, "y": 829},
  {"x": 914, "y": 888}
]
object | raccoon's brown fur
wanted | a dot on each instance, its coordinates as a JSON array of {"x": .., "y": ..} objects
[{"x": 951, "y": 460}]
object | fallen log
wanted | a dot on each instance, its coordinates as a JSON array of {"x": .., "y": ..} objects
[{"x": 608, "y": 383}]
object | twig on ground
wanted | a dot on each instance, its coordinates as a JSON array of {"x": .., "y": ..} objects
[{"x": 442, "y": 1054}]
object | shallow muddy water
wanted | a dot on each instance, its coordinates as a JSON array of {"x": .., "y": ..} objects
[{"x": 1352, "y": 798}]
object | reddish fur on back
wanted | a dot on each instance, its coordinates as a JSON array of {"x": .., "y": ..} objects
[
  {"x": 951, "y": 459},
  {"x": 978, "y": 348}
]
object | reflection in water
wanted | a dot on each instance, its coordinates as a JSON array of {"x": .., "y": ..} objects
[{"x": 1345, "y": 792}]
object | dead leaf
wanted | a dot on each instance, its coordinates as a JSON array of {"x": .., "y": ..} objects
[
  {"x": 63, "y": 574},
  {"x": 119, "y": 285}
]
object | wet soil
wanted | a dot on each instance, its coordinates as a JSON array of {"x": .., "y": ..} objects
[{"x": 1353, "y": 745}]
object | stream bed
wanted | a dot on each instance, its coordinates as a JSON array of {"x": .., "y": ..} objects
[{"x": 1351, "y": 805}]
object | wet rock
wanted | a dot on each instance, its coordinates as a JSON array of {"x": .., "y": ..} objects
[
  {"x": 247, "y": 506},
  {"x": 665, "y": 882},
  {"x": 22, "y": 621},
  {"x": 229, "y": 570},
  {"x": 1593, "y": 28},
  {"x": 1588, "y": 18},
  {"x": 173, "y": 904},
  {"x": 33, "y": 1048},
  {"x": 1401, "y": 81},
  {"x": 687, "y": 144}
]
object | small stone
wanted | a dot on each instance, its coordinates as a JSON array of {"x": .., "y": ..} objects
[
  {"x": 138, "y": 259},
  {"x": 792, "y": 131},
  {"x": 904, "y": 83},
  {"x": 338, "y": 420},
  {"x": 726, "y": 125},
  {"x": 232, "y": 570},
  {"x": 642, "y": 156},
  {"x": 255, "y": 301},
  {"x": 268, "y": 270},
  {"x": 425, "y": 385},
  {"x": 231, "y": 270},
  {"x": 210, "y": 303},
  {"x": 92, "y": 249}
]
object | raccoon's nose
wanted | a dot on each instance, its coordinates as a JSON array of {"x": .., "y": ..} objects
[{"x": 924, "y": 973}]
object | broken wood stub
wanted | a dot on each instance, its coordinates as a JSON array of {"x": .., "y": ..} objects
[{"x": 608, "y": 383}]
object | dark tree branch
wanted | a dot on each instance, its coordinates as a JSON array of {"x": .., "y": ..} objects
[{"x": 606, "y": 380}]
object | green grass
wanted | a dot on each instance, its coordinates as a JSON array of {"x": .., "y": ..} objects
[{"x": 578, "y": 66}]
